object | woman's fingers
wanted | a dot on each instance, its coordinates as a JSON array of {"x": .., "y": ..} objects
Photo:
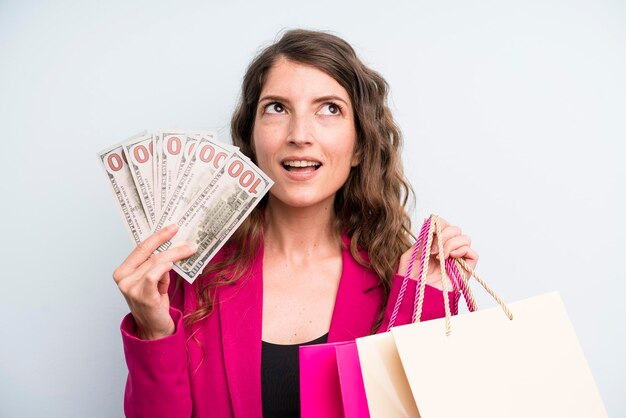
[
  {"x": 447, "y": 233},
  {"x": 176, "y": 253},
  {"x": 159, "y": 276},
  {"x": 464, "y": 251},
  {"x": 149, "y": 275},
  {"x": 171, "y": 255},
  {"x": 453, "y": 244},
  {"x": 143, "y": 251},
  {"x": 443, "y": 223},
  {"x": 143, "y": 278},
  {"x": 143, "y": 291},
  {"x": 149, "y": 302},
  {"x": 467, "y": 253}
]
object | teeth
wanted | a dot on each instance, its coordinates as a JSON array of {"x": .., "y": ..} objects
[{"x": 301, "y": 163}]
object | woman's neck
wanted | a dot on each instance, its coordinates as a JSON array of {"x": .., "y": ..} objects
[{"x": 298, "y": 233}]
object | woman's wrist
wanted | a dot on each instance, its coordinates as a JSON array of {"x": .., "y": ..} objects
[{"x": 149, "y": 335}]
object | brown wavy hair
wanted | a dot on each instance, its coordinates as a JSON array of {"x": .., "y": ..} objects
[{"x": 370, "y": 207}]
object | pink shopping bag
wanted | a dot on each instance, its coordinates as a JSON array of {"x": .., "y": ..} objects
[
  {"x": 320, "y": 391},
  {"x": 351, "y": 381},
  {"x": 331, "y": 384}
]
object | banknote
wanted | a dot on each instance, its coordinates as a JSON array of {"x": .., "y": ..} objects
[
  {"x": 185, "y": 177},
  {"x": 188, "y": 149},
  {"x": 140, "y": 154},
  {"x": 158, "y": 196},
  {"x": 207, "y": 158},
  {"x": 172, "y": 149},
  {"x": 118, "y": 173},
  {"x": 217, "y": 211}
]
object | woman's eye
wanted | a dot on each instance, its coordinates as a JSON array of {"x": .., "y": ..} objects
[
  {"x": 330, "y": 109},
  {"x": 274, "y": 108}
]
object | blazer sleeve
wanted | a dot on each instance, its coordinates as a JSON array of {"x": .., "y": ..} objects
[
  {"x": 433, "y": 303},
  {"x": 158, "y": 377}
]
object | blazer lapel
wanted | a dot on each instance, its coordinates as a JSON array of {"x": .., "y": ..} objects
[
  {"x": 241, "y": 309},
  {"x": 357, "y": 304}
]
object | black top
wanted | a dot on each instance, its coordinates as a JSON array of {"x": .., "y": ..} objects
[{"x": 280, "y": 378}]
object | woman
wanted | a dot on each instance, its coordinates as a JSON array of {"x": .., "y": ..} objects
[{"x": 317, "y": 261}]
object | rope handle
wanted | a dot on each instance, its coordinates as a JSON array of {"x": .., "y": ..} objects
[
  {"x": 452, "y": 269},
  {"x": 462, "y": 263},
  {"x": 445, "y": 280},
  {"x": 452, "y": 273},
  {"x": 461, "y": 282},
  {"x": 420, "y": 238}
]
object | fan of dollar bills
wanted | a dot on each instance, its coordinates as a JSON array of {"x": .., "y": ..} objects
[{"x": 188, "y": 178}]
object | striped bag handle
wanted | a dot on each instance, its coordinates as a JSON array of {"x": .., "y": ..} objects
[
  {"x": 420, "y": 238},
  {"x": 456, "y": 266},
  {"x": 453, "y": 270},
  {"x": 459, "y": 282}
]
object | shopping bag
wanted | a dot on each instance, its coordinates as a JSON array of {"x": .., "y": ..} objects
[
  {"x": 490, "y": 366},
  {"x": 320, "y": 391},
  {"x": 386, "y": 386},
  {"x": 353, "y": 396},
  {"x": 526, "y": 363},
  {"x": 331, "y": 384}
]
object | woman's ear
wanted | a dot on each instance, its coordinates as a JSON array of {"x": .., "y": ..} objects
[{"x": 356, "y": 160}]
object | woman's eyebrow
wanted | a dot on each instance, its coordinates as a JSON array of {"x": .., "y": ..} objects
[
  {"x": 321, "y": 99},
  {"x": 274, "y": 98},
  {"x": 330, "y": 98}
]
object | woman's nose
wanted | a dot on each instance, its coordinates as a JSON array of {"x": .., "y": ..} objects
[{"x": 301, "y": 130}]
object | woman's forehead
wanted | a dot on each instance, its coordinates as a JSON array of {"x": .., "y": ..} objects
[{"x": 292, "y": 79}]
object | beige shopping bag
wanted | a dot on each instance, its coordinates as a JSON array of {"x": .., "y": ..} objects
[
  {"x": 491, "y": 366},
  {"x": 525, "y": 363},
  {"x": 386, "y": 386}
]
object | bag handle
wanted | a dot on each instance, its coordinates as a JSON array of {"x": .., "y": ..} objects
[
  {"x": 452, "y": 269},
  {"x": 493, "y": 294},
  {"x": 460, "y": 265},
  {"x": 460, "y": 282},
  {"x": 420, "y": 238},
  {"x": 420, "y": 290}
]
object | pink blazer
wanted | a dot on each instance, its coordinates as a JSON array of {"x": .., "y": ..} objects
[{"x": 216, "y": 372}]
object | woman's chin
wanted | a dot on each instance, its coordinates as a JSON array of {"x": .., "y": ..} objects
[{"x": 301, "y": 202}]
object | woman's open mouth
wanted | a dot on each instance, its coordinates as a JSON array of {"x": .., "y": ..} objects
[{"x": 301, "y": 166}]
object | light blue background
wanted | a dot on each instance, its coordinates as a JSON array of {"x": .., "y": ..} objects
[{"x": 513, "y": 114}]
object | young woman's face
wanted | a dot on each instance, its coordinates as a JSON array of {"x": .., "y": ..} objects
[{"x": 304, "y": 134}]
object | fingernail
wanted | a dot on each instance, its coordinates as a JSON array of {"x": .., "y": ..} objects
[
  {"x": 193, "y": 247},
  {"x": 171, "y": 227}
]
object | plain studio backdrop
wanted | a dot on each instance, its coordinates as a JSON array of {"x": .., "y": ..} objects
[{"x": 513, "y": 114}]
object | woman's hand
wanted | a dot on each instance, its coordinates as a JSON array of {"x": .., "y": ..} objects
[
  {"x": 144, "y": 278},
  {"x": 455, "y": 245}
]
